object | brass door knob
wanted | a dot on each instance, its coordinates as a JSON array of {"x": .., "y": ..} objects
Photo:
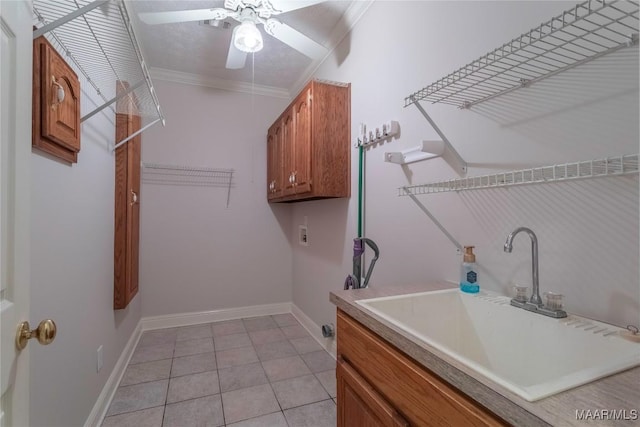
[{"x": 45, "y": 333}]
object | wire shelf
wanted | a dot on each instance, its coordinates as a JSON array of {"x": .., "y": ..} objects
[
  {"x": 155, "y": 173},
  {"x": 97, "y": 37},
  {"x": 589, "y": 30},
  {"x": 611, "y": 166},
  {"x": 186, "y": 175}
]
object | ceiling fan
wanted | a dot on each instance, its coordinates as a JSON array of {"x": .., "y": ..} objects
[{"x": 246, "y": 36}]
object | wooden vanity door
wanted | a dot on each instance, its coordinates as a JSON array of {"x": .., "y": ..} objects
[{"x": 360, "y": 404}]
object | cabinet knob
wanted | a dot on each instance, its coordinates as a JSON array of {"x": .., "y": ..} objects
[{"x": 134, "y": 198}]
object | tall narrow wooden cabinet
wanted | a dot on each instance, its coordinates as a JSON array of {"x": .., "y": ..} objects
[
  {"x": 308, "y": 150},
  {"x": 127, "y": 210}
]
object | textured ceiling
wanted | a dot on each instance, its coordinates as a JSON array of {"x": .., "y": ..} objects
[{"x": 200, "y": 50}]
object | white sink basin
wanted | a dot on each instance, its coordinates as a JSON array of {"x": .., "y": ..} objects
[{"x": 533, "y": 356}]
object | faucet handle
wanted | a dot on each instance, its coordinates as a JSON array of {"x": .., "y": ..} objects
[
  {"x": 521, "y": 293},
  {"x": 553, "y": 301}
]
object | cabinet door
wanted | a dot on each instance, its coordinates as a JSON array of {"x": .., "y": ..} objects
[
  {"x": 359, "y": 405},
  {"x": 288, "y": 154},
  {"x": 60, "y": 118},
  {"x": 127, "y": 211},
  {"x": 55, "y": 122},
  {"x": 274, "y": 161},
  {"x": 302, "y": 143}
]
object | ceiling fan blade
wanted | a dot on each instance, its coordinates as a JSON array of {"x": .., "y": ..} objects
[
  {"x": 175, "y": 16},
  {"x": 235, "y": 58},
  {"x": 295, "y": 39},
  {"x": 281, "y": 6}
]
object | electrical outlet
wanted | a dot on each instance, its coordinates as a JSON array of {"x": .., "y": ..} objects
[
  {"x": 99, "y": 359},
  {"x": 303, "y": 236}
]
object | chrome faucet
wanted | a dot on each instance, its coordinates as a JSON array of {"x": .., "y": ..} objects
[
  {"x": 535, "y": 302},
  {"x": 508, "y": 247}
]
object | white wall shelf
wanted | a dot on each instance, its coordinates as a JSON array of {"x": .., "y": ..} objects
[
  {"x": 611, "y": 166},
  {"x": 98, "y": 38},
  {"x": 588, "y": 31}
]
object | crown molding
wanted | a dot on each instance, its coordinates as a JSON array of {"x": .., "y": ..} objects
[
  {"x": 230, "y": 85},
  {"x": 347, "y": 22}
]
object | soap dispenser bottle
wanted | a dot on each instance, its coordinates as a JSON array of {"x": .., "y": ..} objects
[{"x": 468, "y": 272}]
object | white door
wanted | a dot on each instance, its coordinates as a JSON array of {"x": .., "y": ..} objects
[{"x": 15, "y": 157}]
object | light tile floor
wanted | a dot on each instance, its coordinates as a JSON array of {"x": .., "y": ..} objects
[{"x": 256, "y": 372}]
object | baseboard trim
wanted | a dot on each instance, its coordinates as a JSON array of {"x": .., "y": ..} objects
[
  {"x": 104, "y": 400},
  {"x": 315, "y": 330},
  {"x": 195, "y": 318}
]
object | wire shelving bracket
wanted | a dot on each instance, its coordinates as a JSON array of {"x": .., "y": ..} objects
[
  {"x": 585, "y": 32},
  {"x": 98, "y": 38},
  {"x": 188, "y": 175}
]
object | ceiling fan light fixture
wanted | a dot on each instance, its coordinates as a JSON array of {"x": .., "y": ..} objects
[{"x": 247, "y": 37}]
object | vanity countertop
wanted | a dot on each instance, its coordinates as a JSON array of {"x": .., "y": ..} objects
[{"x": 619, "y": 392}]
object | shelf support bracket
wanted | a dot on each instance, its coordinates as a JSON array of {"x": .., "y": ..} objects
[
  {"x": 136, "y": 133},
  {"x": 426, "y": 211},
  {"x": 71, "y": 16},
  {"x": 117, "y": 98},
  {"x": 450, "y": 154}
]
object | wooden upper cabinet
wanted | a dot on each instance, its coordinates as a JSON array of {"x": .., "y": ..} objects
[
  {"x": 315, "y": 158},
  {"x": 56, "y": 103}
]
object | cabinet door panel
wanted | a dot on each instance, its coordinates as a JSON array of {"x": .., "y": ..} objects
[
  {"x": 60, "y": 119},
  {"x": 274, "y": 161},
  {"x": 133, "y": 212},
  {"x": 359, "y": 405},
  {"x": 127, "y": 204},
  {"x": 302, "y": 143},
  {"x": 288, "y": 155}
]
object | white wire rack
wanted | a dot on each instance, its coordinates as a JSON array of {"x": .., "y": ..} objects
[
  {"x": 187, "y": 175},
  {"x": 97, "y": 37},
  {"x": 589, "y": 30},
  {"x": 611, "y": 166}
]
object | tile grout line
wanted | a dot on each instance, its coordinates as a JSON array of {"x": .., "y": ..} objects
[{"x": 261, "y": 362}]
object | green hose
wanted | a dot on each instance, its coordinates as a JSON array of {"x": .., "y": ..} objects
[{"x": 360, "y": 161}]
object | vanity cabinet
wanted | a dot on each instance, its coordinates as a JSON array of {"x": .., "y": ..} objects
[
  {"x": 308, "y": 154},
  {"x": 378, "y": 385}
]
